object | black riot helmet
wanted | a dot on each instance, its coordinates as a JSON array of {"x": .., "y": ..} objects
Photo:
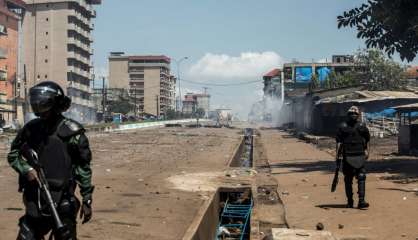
[{"x": 47, "y": 96}]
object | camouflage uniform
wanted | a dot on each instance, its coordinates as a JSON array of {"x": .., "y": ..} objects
[{"x": 80, "y": 154}]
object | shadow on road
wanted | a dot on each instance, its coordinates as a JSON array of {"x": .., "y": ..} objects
[{"x": 325, "y": 206}]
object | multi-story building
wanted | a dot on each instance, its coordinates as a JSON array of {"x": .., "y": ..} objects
[
  {"x": 299, "y": 75},
  {"x": 194, "y": 101},
  {"x": 11, "y": 13},
  {"x": 57, "y": 47},
  {"x": 148, "y": 79}
]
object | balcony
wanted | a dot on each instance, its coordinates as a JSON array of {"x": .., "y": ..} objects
[
  {"x": 3, "y": 75},
  {"x": 81, "y": 87},
  {"x": 79, "y": 57},
  {"x": 79, "y": 71},
  {"x": 80, "y": 30},
  {"x": 3, "y": 98}
]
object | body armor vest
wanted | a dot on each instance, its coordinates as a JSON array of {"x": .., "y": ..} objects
[
  {"x": 55, "y": 159},
  {"x": 353, "y": 146}
]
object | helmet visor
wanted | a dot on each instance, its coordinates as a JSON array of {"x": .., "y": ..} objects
[{"x": 42, "y": 99}]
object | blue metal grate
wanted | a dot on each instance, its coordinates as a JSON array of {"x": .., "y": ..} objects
[{"x": 234, "y": 220}]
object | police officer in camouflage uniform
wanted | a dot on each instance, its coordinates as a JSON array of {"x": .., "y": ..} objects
[
  {"x": 65, "y": 155},
  {"x": 353, "y": 137}
]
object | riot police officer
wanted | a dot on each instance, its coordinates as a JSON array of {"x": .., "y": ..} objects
[
  {"x": 65, "y": 155},
  {"x": 352, "y": 138}
]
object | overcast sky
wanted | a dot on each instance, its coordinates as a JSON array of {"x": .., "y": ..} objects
[{"x": 226, "y": 41}]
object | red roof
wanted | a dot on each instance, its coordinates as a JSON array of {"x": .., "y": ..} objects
[
  {"x": 412, "y": 72},
  {"x": 273, "y": 73},
  {"x": 150, "y": 57}
]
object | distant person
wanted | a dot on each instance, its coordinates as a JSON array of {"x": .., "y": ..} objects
[
  {"x": 65, "y": 156},
  {"x": 352, "y": 139}
]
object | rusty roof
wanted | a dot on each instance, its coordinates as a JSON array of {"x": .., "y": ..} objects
[{"x": 273, "y": 73}]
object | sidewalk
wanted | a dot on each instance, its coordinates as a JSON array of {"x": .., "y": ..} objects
[{"x": 304, "y": 174}]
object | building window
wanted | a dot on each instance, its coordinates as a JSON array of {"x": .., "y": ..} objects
[
  {"x": 46, "y": 33},
  {"x": 46, "y": 76},
  {"x": 46, "y": 60},
  {"x": 46, "y": 46},
  {"x": 47, "y": 19}
]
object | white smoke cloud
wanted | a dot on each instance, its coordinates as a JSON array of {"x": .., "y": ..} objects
[
  {"x": 227, "y": 69},
  {"x": 248, "y": 65}
]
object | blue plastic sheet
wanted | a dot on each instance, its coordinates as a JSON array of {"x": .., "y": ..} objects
[
  {"x": 323, "y": 73},
  {"x": 388, "y": 112}
]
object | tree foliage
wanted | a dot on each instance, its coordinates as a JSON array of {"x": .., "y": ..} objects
[
  {"x": 391, "y": 25},
  {"x": 121, "y": 106},
  {"x": 373, "y": 69}
]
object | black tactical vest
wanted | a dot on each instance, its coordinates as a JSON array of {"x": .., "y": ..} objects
[
  {"x": 353, "y": 142},
  {"x": 54, "y": 156}
]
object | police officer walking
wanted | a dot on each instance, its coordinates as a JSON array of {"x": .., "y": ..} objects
[
  {"x": 65, "y": 155},
  {"x": 352, "y": 138}
]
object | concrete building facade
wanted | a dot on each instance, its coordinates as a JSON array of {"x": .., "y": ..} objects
[
  {"x": 298, "y": 75},
  {"x": 11, "y": 13},
  {"x": 194, "y": 101},
  {"x": 57, "y": 47},
  {"x": 148, "y": 79}
]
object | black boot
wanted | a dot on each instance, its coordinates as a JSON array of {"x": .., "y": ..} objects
[
  {"x": 348, "y": 182},
  {"x": 362, "y": 204}
]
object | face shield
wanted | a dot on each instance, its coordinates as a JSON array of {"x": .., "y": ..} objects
[{"x": 42, "y": 99}]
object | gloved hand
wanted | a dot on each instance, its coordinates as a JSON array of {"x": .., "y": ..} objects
[
  {"x": 86, "y": 211},
  {"x": 32, "y": 176}
]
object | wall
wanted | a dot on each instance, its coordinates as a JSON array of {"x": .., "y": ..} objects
[
  {"x": 45, "y": 43},
  {"x": 118, "y": 73},
  {"x": 151, "y": 89},
  {"x": 9, "y": 43}
]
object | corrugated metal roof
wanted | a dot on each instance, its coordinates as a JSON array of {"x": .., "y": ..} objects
[
  {"x": 386, "y": 94},
  {"x": 273, "y": 73},
  {"x": 407, "y": 107},
  {"x": 368, "y": 96}
]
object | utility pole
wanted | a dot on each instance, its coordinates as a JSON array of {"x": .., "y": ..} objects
[
  {"x": 104, "y": 98},
  {"x": 25, "y": 103},
  {"x": 178, "y": 79},
  {"x": 157, "y": 100}
]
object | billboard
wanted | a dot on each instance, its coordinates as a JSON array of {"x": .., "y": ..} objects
[{"x": 303, "y": 74}]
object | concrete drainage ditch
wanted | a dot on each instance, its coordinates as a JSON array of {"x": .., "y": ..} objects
[
  {"x": 226, "y": 216},
  {"x": 247, "y": 205},
  {"x": 244, "y": 156}
]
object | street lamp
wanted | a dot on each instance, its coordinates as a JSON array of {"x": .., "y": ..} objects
[{"x": 178, "y": 79}]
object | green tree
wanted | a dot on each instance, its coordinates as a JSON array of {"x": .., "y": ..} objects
[
  {"x": 121, "y": 106},
  {"x": 377, "y": 71},
  {"x": 391, "y": 25}
]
